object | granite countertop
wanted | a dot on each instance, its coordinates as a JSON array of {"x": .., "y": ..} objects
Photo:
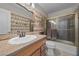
[{"x": 6, "y": 48}]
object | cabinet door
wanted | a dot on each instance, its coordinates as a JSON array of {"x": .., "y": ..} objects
[
  {"x": 32, "y": 49},
  {"x": 37, "y": 53},
  {"x": 43, "y": 52}
]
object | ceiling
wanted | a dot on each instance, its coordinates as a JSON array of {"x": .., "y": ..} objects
[{"x": 53, "y": 7}]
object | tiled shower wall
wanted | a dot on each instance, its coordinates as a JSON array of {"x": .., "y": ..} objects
[{"x": 19, "y": 23}]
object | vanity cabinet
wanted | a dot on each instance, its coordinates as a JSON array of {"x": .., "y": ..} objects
[
  {"x": 35, "y": 49},
  {"x": 36, "y": 53}
]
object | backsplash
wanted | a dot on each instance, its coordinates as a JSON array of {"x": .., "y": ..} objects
[{"x": 19, "y": 23}]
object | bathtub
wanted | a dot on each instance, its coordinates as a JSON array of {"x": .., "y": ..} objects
[{"x": 60, "y": 49}]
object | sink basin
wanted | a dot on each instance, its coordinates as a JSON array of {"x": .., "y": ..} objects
[{"x": 22, "y": 40}]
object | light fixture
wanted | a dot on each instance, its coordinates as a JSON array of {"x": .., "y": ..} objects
[
  {"x": 33, "y": 5},
  {"x": 52, "y": 21}
]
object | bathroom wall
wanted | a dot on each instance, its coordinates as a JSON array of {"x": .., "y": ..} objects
[
  {"x": 39, "y": 19},
  {"x": 20, "y": 19},
  {"x": 19, "y": 23},
  {"x": 39, "y": 22}
]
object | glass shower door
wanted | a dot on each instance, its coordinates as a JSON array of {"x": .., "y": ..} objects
[{"x": 66, "y": 29}]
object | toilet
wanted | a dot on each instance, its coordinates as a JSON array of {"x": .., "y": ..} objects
[
  {"x": 50, "y": 48},
  {"x": 60, "y": 49}
]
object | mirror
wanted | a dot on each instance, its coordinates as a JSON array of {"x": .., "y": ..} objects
[
  {"x": 6, "y": 16},
  {"x": 24, "y": 6},
  {"x": 29, "y": 13}
]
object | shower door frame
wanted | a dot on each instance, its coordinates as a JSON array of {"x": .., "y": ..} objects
[{"x": 76, "y": 27}]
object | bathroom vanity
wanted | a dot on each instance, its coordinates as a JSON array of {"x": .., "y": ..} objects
[{"x": 35, "y": 47}]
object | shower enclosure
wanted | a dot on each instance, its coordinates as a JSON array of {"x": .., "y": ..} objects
[{"x": 62, "y": 29}]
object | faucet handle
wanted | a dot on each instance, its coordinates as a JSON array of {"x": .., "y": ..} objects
[
  {"x": 19, "y": 33},
  {"x": 23, "y": 34}
]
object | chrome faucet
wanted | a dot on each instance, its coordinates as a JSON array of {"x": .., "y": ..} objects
[{"x": 21, "y": 34}]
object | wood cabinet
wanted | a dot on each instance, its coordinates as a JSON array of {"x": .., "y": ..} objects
[
  {"x": 35, "y": 49},
  {"x": 37, "y": 53}
]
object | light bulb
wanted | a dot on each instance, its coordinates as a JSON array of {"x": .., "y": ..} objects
[{"x": 33, "y": 5}]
